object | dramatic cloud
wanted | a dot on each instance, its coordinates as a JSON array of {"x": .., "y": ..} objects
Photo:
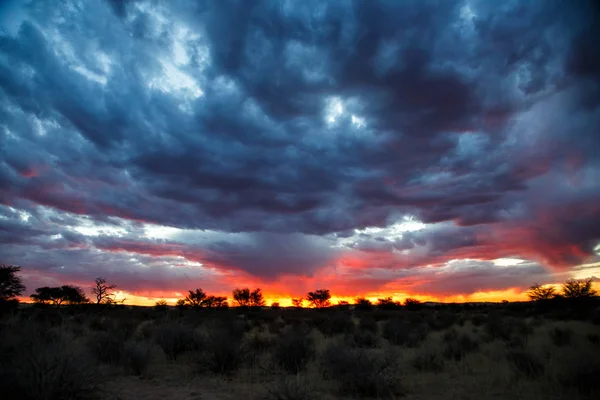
[{"x": 386, "y": 146}]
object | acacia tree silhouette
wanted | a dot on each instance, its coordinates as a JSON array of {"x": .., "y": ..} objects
[
  {"x": 246, "y": 298},
  {"x": 578, "y": 289},
  {"x": 319, "y": 298},
  {"x": 11, "y": 285},
  {"x": 58, "y": 295},
  {"x": 538, "y": 292}
]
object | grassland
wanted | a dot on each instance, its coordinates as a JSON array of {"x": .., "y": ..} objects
[{"x": 504, "y": 351}]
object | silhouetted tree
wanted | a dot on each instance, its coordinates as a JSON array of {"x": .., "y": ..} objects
[
  {"x": 241, "y": 297},
  {"x": 246, "y": 298},
  {"x": 195, "y": 298},
  {"x": 319, "y": 298},
  {"x": 363, "y": 304},
  {"x": 538, "y": 292},
  {"x": 161, "y": 305},
  {"x": 256, "y": 298},
  {"x": 343, "y": 303},
  {"x": 387, "y": 303},
  {"x": 275, "y": 305},
  {"x": 59, "y": 295},
  {"x": 180, "y": 305},
  {"x": 11, "y": 285},
  {"x": 103, "y": 291},
  {"x": 411, "y": 303},
  {"x": 297, "y": 302},
  {"x": 578, "y": 289},
  {"x": 215, "y": 302}
]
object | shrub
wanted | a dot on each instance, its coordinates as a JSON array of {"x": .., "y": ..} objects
[
  {"x": 174, "y": 339},
  {"x": 368, "y": 324},
  {"x": 525, "y": 363},
  {"x": 291, "y": 388},
  {"x": 593, "y": 338},
  {"x": 478, "y": 319},
  {"x": 363, "y": 338},
  {"x": 457, "y": 346},
  {"x": 136, "y": 357},
  {"x": 496, "y": 327},
  {"x": 428, "y": 360},
  {"x": 222, "y": 353},
  {"x": 36, "y": 363},
  {"x": 561, "y": 337},
  {"x": 361, "y": 372},
  {"x": 339, "y": 322},
  {"x": 396, "y": 331},
  {"x": 107, "y": 347},
  {"x": 400, "y": 332},
  {"x": 293, "y": 350},
  {"x": 583, "y": 376}
]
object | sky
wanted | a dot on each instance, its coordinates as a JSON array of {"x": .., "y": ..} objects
[{"x": 442, "y": 150}]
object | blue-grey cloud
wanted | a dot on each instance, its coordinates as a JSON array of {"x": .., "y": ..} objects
[{"x": 290, "y": 122}]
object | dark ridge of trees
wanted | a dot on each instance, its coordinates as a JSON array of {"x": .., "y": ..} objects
[
  {"x": 66, "y": 294},
  {"x": 319, "y": 298}
]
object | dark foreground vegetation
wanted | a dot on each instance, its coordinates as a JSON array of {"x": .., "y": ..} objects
[{"x": 545, "y": 349}]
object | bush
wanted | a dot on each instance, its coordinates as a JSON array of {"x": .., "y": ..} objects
[
  {"x": 561, "y": 337},
  {"x": 222, "y": 353},
  {"x": 368, "y": 324},
  {"x": 457, "y": 346},
  {"x": 400, "y": 332},
  {"x": 525, "y": 363},
  {"x": 361, "y": 372},
  {"x": 293, "y": 350},
  {"x": 362, "y": 338},
  {"x": 583, "y": 377},
  {"x": 396, "y": 331},
  {"x": 429, "y": 360},
  {"x": 36, "y": 363},
  {"x": 291, "y": 388},
  {"x": 174, "y": 339},
  {"x": 136, "y": 357},
  {"x": 496, "y": 327},
  {"x": 337, "y": 323},
  {"x": 107, "y": 347}
]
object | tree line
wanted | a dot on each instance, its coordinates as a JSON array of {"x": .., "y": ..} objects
[
  {"x": 11, "y": 287},
  {"x": 571, "y": 289}
]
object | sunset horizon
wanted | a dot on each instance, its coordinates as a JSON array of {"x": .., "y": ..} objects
[{"x": 442, "y": 151}]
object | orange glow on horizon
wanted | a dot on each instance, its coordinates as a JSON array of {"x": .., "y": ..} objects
[{"x": 286, "y": 301}]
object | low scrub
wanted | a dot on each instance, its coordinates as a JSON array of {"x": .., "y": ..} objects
[
  {"x": 525, "y": 363},
  {"x": 293, "y": 350},
  {"x": 561, "y": 337},
  {"x": 174, "y": 339},
  {"x": 429, "y": 359},
  {"x": 39, "y": 364},
  {"x": 136, "y": 357},
  {"x": 222, "y": 352},
  {"x": 291, "y": 388},
  {"x": 361, "y": 372}
]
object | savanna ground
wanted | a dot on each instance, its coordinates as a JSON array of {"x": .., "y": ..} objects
[{"x": 503, "y": 351}]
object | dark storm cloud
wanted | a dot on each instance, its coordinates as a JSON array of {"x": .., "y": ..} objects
[{"x": 288, "y": 119}]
